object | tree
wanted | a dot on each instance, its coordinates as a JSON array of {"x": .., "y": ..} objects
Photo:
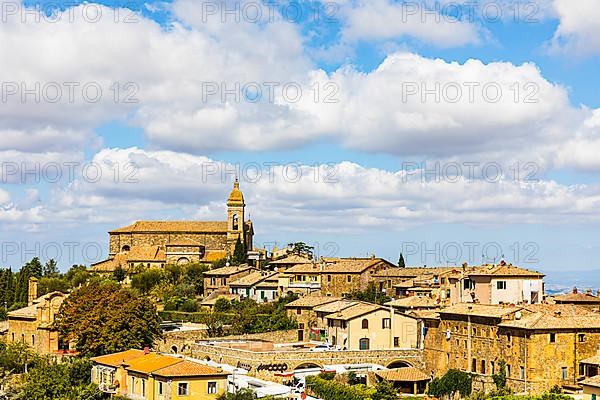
[
  {"x": 147, "y": 280},
  {"x": 242, "y": 394},
  {"x": 500, "y": 376},
  {"x": 102, "y": 317},
  {"x": 385, "y": 391},
  {"x": 51, "y": 269},
  {"x": 302, "y": 249},
  {"x": 119, "y": 274},
  {"x": 31, "y": 269},
  {"x": 239, "y": 253},
  {"x": 453, "y": 381},
  {"x": 214, "y": 325},
  {"x": 401, "y": 262}
]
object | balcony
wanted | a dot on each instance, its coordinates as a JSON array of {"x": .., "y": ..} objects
[
  {"x": 106, "y": 388},
  {"x": 305, "y": 285}
]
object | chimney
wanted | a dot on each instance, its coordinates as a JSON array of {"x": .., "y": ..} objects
[
  {"x": 575, "y": 290},
  {"x": 32, "y": 292},
  {"x": 146, "y": 350}
]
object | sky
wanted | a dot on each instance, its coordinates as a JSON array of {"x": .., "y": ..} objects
[{"x": 449, "y": 131}]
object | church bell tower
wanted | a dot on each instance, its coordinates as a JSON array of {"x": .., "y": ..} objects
[{"x": 235, "y": 217}]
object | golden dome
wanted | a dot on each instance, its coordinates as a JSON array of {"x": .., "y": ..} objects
[{"x": 236, "y": 197}]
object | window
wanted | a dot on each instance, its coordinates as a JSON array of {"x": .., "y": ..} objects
[
  {"x": 482, "y": 370},
  {"x": 474, "y": 365},
  {"x": 501, "y": 285},
  {"x": 492, "y": 368},
  {"x": 553, "y": 338},
  {"x": 365, "y": 324},
  {"x": 581, "y": 337},
  {"x": 212, "y": 387},
  {"x": 469, "y": 284},
  {"x": 349, "y": 278},
  {"x": 182, "y": 389},
  {"x": 564, "y": 373},
  {"x": 132, "y": 387},
  {"x": 161, "y": 388},
  {"x": 508, "y": 370},
  {"x": 235, "y": 222},
  {"x": 298, "y": 311},
  {"x": 33, "y": 340},
  {"x": 396, "y": 341},
  {"x": 143, "y": 387},
  {"x": 474, "y": 331},
  {"x": 363, "y": 344},
  {"x": 581, "y": 369},
  {"x": 328, "y": 278},
  {"x": 386, "y": 323},
  {"x": 522, "y": 373}
]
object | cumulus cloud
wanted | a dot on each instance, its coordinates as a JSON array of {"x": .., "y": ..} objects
[{"x": 578, "y": 32}]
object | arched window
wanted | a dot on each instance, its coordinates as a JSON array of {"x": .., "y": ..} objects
[
  {"x": 183, "y": 261},
  {"x": 125, "y": 248},
  {"x": 235, "y": 222},
  {"x": 364, "y": 344},
  {"x": 365, "y": 324}
]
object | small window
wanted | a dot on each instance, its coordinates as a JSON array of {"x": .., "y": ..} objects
[
  {"x": 33, "y": 340},
  {"x": 474, "y": 365},
  {"x": 553, "y": 338},
  {"x": 492, "y": 367},
  {"x": 501, "y": 285},
  {"x": 364, "y": 344},
  {"x": 482, "y": 369},
  {"x": 161, "y": 388},
  {"x": 298, "y": 311},
  {"x": 365, "y": 324},
  {"x": 143, "y": 387},
  {"x": 522, "y": 373},
  {"x": 328, "y": 278},
  {"x": 386, "y": 323},
  {"x": 349, "y": 278},
  {"x": 182, "y": 389},
  {"x": 581, "y": 337},
  {"x": 581, "y": 369},
  {"x": 396, "y": 341},
  {"x": 564, "y": 373},
  {"x": 508, "y": 370},
  {"x": 212, "y": 387}
]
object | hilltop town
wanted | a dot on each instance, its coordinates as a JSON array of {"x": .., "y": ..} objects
[{"x": 193, "y": 310}]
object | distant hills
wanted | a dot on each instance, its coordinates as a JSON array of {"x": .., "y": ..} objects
[{"x": 564, "y": 281}]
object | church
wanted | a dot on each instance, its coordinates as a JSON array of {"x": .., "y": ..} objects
[{"x": 158, "y": 243}]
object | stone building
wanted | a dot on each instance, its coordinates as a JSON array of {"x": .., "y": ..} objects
[
  {"x": 586, "y": 299},
  {"x": 303, "y": 311},
  {"x": 542, "y": 345},
  {"x": 260, "y": 286},
  {"x": 216, "y": 281},
  {"x": 33, "y": 325},
  {"x": 157, "y": 243}
]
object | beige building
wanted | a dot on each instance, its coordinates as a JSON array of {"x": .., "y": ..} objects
[
  {"x": 365, "y": 326},
  {"x": 33, "y": 325},
  {"x": 218, "y": 280},
  {"x": 150, "y": 376},
  {"x": 157, "y": 243},
  {"x": 303, "y": 311},
  {"x": 260, "y": 286},
  {"x": 586, "y": 299},
  {"x": 543, "y": 345}
]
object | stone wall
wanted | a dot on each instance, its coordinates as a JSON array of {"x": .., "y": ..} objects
[{"x": 211, "y": 241}]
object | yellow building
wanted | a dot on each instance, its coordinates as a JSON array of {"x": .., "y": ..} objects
[
  {"x": 366, "y": 326},
  {"x": 33, "y": 325},
  {"x": 591, "y": 388},
  {"x": 150, "y": 376}
]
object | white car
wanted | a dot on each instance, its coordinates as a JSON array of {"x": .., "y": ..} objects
[{"x": 322, "y": 347}]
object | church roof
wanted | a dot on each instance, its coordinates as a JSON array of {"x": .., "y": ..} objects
[{"x": 174, "y": 226}]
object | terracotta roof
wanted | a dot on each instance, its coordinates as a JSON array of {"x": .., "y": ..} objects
[
  {"x": 307, "y": 268},
  {"x": 116, "y": 359},
  {"x": 188, "y": 368},
  {"x": 355, "y": 311},
  {"x": 335, "y": 306},
  {"x": 312, "y": 301},
  {"x": 595, "y": 360},
  {"x": 593, "y": 381},
  {"x": 252, "y": 279},
  {"x": 504, "y": 270},
  {"x": 31, "y": 311},
  {"x": 151, "y": 362},
  {"x": 480, "y": 310},
  {"x": 214, "y": 255},
  {"x": 226, "y": 271},
  {"x": 555, "y": 316},
  {"x": 227, "y": 296},
  {"x": 413, "y": 272},
  {"x": 413, "y": 302},
  {"x": 407, "y": 374},
  {"x": 292, "y": 259},
  {"x": 585, "y": 298},
  {"x": 174, "y": 226},
  {"x": 352, "y": 265}
]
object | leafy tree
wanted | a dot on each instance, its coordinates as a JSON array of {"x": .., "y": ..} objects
[
  {"x": 51, "y": 269},
  {"x": 31, "y": 269},
  {"x": 453, "y": 381},
  {"x": 147, "y": 280},
  {"x": 15, "y": 356},
  {"x": 119, "y": 274},
  {"x": 401, "y": 262},
  {"x": 384, "y": 390},
  {"x": 77, "y": 275},
  {"x": 222, "y": 305},
  {"x": 500, "y": 376},
  {"x": 371, "y": 294},
  {"x": 102, "y": 317},
  {"x": 302, "y": 249},
  {"x": 52, "y": 284},
  {"x": 239, "y": 253},
  {"x": 214, "y": 325},
  {"x": 219, "y": 263},
  {"x": 194, "y": 275},
  {"x": 242, "y": 394}
]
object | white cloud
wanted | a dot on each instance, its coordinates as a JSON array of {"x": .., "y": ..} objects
[{"x": 579, "y": 31}]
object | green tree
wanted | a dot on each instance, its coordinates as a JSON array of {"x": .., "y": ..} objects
[
  {"x": 302, "y": 249},
  {"x": 51, "y": 269},
  {"x": 103, "y": 317},
  {"x": 147, "y": 280},
  {"x": 242, "y": 394},
  {"x": 52, "y": 284},
  {"x": 77, "y": 275},
  {"x": 239, "y": 253},
  {"x": 500, "y": 376},
  {"x": 119, "y": 274},
  {"x": 401, "y": 262},
  {"x": 452, "y": 382},
  {"x": 385, "y": 391},
  {"x": 31, "y": 269}
]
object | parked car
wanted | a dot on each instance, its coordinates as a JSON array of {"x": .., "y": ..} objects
[{"x": 323, "y": 347}]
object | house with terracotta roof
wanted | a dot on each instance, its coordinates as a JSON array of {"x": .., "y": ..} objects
[
  {"x": 366, "y": 326},
  {"x": 584, "y": 299},
  {"x": 303, "y": 311},
  {"x": 218, "y": 280},
  {"x": 543, "y": 345},
  {"x": 151, "y": 376},
  {"x": 260, "y": 286},
  {"x": 156, "y": 243},
  {"x": 33, "y": 325}
]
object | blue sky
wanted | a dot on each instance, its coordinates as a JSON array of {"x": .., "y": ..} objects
[{"x": 152, "y": 152}]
